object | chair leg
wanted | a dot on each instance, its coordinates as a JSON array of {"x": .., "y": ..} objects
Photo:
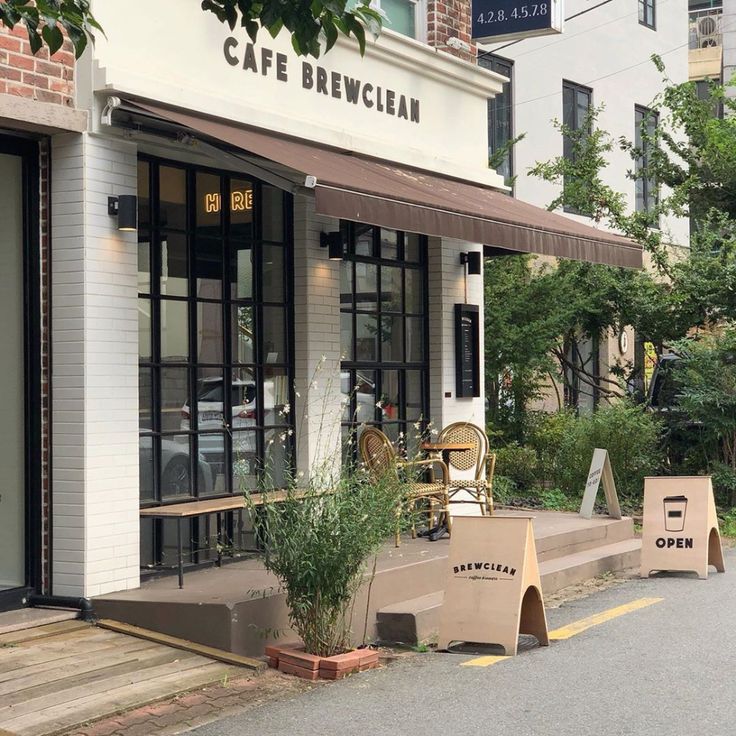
[
  {"x": 413, "y": 512},
  {"x": 448, "y": 517}
]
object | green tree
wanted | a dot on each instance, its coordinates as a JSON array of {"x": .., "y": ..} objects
[
  {"x": 48, "y": 21},
  {"x": 307, "y": 21},
  {"x": 706, "y": 379}
]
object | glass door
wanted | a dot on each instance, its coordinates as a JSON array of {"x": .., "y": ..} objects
[{"x": 19, "y": 308}]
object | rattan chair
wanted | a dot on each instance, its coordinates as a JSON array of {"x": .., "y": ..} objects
[
  {"x": 379, "y": 458},
  {"x": 478, "y": 460}
]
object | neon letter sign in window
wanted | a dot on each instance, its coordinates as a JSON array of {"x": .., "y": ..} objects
[{"x": 239, "y": 201}]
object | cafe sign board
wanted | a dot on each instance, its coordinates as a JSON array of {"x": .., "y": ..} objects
[
  {"x": 500, "y": 20},
  {"x": 600, "y": 471},
  {"x": 680, "y": 527},
  {"x": 493, "y": 591}
]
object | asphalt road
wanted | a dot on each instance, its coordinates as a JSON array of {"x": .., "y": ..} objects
[{"x": 665, "y": 670}]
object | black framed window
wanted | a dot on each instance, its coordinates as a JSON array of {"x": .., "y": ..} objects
[
  {"x": 647, "y": 13},
  {"x": 384, "y": 332},
  {"x": 577, "y": 101},
  {"x": 215, "y": 343},
  {"x": 645, "y": 127},
  {"x": 21, "y": 457},
  {"x": 500, "y": 116}
]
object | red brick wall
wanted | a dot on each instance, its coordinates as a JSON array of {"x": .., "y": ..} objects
[
  {"x": 448, "y": 18},
  {"x": 39, "y": 77}
]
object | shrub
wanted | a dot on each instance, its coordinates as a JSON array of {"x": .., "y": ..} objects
[
  {"x": 504, "y": 489},
  {"x": 518, "y": 464},
  {"x": 545, "y": 433},
  {"x": 628, "y": 432},
  {"x": 317, "y": 544}
]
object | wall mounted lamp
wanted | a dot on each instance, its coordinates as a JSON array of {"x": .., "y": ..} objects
[
  {"x": 334, "y": 243},
  {"x": 473, "y": 261},
  {"x": 125, "y": 208}
]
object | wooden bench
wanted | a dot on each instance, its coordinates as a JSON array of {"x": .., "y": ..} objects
[{"x": 183, "y": 511}]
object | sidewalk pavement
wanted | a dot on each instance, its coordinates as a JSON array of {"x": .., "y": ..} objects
[{"x": 183, "y": 712}]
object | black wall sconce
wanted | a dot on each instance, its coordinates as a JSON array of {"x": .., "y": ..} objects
[
  {"x": 473, "y": 261},
  {"x": 334, "y": 243},
  {"x": 125, "y": 208}
]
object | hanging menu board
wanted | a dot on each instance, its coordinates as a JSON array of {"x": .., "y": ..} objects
[
  {"x": 496, "y": 20},
  {"x": 467, "y": 351}
]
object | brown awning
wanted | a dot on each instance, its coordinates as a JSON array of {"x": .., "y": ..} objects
[{"x": 378, "y": 192}]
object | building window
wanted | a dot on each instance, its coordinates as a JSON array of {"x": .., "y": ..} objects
[
  {"x": 645, "y": 127},
  {"x": 576, "y": 104},
  {"x": 647, "y": 10},
  {"x": 408, "y": 17},
  {"x": 383, "y": 329},
  {"x": 500, "y": 117},
  {"x": 215, "y": 354}
]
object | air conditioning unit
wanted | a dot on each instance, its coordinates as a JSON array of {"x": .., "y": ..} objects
[{"x": 708, "y": 29}]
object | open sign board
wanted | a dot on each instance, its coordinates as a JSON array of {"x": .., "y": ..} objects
[{"x": 680, "y": 529}]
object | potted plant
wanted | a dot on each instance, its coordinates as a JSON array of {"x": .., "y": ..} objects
[{"x": 317, "y": 542}]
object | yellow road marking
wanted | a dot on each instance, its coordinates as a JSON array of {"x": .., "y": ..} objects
[
  {"x": 577, "y": 627},
  {"x": 484, "y": 661}
]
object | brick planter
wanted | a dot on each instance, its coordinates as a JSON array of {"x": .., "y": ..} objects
[{"x": 293, "y": 660}]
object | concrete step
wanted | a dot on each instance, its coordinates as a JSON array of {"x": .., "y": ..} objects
[
  {"x": 591, "y": 534},
  {"x": 410, "y": 621},
  {"x": 560, "y": 572},
  {"x": 417, "y": 619}
]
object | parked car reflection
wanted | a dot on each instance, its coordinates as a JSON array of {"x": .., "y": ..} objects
[{"x": 175, "y": 468}]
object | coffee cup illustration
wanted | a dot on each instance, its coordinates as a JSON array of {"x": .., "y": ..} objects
[{"x": 675, "y": 508}]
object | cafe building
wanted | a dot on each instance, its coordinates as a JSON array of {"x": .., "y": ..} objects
[{"x": 253, "y": 254}]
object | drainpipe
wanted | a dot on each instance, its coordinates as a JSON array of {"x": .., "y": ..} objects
[{"x": 83, "y": 605}]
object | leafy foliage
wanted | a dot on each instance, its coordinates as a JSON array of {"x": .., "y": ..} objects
[
  {"x": 706, "y": 376},
  {"x": 317, "y": 545},
  {"x": 306, "y": 20},
  {"x": 628, "y": 432},
  {"x": 47, "y": 21}
]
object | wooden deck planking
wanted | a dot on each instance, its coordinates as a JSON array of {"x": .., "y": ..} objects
[
  {"x": 55, "y": 718},
  {"x": 62, "y": 675},
  {"x": 77, "y": 662},
  {"x": 77, "y": 673},
  {"x": 13, "y": 658}
]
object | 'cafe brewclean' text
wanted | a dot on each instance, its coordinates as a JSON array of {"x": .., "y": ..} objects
[{"x": 266, "y": 62}]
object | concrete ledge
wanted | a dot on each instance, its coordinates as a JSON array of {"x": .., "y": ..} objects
[{"x": 41, "y": 117}]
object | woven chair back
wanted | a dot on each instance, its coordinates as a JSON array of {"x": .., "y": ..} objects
[
  {"x": 377, "y": 452},
  {"x": 471, "y": 434}
]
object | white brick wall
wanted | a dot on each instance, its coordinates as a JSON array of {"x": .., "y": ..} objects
[
  {"x": 95, "y": 370},
  {"x": 317, "y": 334},
  {"x": 447, "y": 288}
]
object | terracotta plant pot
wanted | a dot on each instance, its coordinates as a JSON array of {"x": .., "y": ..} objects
[{"x": 293, "y": 660}]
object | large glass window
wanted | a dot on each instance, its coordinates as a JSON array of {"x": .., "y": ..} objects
[
  {"x": 576, "y": 103},
  {"x": 383, "y": 329},
  {"x": 214, "y": 343},
  {"x": 645, "y": 127},
  {"x": 500, "y": 118}
]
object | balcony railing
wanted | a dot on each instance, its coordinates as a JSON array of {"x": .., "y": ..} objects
[{"x": 705, "y": 28}]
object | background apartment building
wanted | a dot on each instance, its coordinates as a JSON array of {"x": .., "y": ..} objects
[{"x": 602, "y": 59}]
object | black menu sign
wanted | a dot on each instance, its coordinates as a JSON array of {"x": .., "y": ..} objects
[{"x": 467, "y": 351}]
